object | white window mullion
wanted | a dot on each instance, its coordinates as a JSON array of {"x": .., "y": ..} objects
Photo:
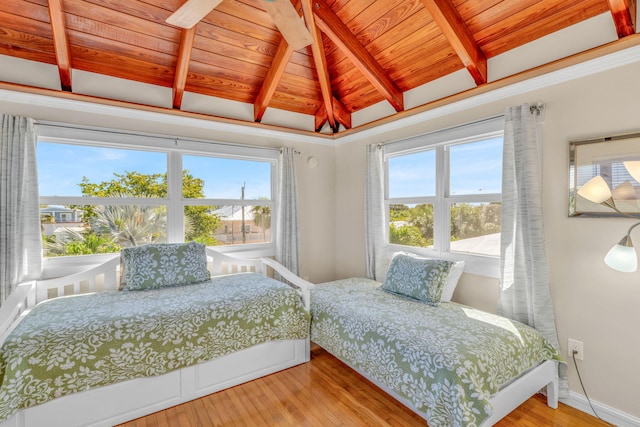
[
  {"x": 428, "y": 200},
  {"x": 440, "y": 212},
  {"x": 476, "y": 198},
  {"x": 175, "y": 207},
  {"x": 275, "y": 192}
]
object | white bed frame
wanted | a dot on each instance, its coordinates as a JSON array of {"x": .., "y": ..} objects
[
  {"x": 508, "y": 398},
  {"x": 544, "y": 376},
  {"x": 117, "y": 403}
]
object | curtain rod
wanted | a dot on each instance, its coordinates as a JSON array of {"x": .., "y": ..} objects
[
  {"x": 294, "y": 151},
  {"x": 176, "y": 139},
  {"x": 537, "y": 108},
  {"x": 452, "y": 128}
]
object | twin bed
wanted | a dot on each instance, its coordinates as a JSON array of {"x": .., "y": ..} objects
[
  {"x": 88, "y": 358},
  {"x": 449, "y": 363},
  {"x": 452, "y": 365},
  {"x": 101, "y": 358}
]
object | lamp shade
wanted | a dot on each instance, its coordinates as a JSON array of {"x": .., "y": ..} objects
[
  {"x": 595, "y": 190},
  {"x": 624, "y": 191},
  {"x": 633, "y": 168},
  {"x": 622, "y": 258}
]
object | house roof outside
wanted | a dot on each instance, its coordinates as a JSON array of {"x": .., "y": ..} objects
[
  {"x": 234, "y": 213},
  {"x": 56, "y": 209}
]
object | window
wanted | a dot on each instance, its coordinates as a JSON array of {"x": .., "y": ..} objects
[
  {"x": 475, "y": 184},
  {"x": 443, "y": 191},
  {"x": 229, "y": 185},
  {"x": 99, "y": 194}
]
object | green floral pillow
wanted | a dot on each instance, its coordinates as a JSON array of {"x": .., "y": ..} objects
[
  {"x": 419, "y": 278},
  {"x": 164, "y": 264}
]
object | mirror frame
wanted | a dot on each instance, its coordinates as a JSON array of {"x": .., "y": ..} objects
[{"x": 598, "y": 154}]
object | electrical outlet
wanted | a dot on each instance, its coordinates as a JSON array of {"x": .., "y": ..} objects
[{"x": 577, "y": 346}]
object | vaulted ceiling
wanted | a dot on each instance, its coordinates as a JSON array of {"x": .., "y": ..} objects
[{"x": 362, "y": 51}]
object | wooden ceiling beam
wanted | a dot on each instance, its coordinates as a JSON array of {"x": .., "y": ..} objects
[
  {"x": 271, "y": 80},
  {"x": 624, "y": 16},
  {"x": 320, "y": 118},
  {"x": 320, "y": 61},
  {"x": 341, "y": 114},
  {"x": 448, "y": 19},
  {"x": 60, "y": 43},
  {"x": 182, "y": 66},
  {"x": 343, "y": 38}
]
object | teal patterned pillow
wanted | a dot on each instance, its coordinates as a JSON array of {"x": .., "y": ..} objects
[
  {"x": 419, "y": 278},
  {"x": 164, "y": 264}
]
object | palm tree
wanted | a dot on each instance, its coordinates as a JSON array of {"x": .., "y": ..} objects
[
  {"x": 131, "y": 225},
  {"x": 72, "y": 242},
  {"x": 262, "y": 218}
]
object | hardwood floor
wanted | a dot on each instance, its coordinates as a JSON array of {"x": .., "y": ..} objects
[{"x": 325, "y": 392}]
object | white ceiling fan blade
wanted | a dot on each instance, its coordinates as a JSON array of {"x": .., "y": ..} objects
[
  {"x": 289, "y": 23},
  {"x": 191, "y": 12}
]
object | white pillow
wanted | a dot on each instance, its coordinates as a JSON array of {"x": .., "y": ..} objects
[{"x": 452, "y": 281}]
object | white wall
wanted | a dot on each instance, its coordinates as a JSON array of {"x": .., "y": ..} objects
[{"x": 593, "y": 303}]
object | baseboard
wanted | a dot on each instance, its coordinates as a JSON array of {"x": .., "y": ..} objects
[{"x": 607, "y": 413}]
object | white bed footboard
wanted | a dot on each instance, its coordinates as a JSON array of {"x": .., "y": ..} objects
[
  {"x": 544, "y": 376},
  {"x": 225, "y": 264},
  {"x": 509, "y": 398},
  {"x": 304, "y": 287},
  {"x": 18, "y": 303},
  {"x": 105, "y": 276}
]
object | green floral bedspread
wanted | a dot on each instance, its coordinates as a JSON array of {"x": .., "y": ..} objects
[
  {"x": 72, "y": 344},
  {"x": 446, "y": 360}
]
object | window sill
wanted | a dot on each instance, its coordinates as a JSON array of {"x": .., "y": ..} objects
[{"x": 257, "y": 250}]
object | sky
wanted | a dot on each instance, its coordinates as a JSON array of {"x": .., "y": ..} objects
[
  {"x": 475, "y": 168},
  {"x": 62, "y": 166}
]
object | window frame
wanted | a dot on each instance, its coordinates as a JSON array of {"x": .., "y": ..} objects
[
  {"x": 440, "y": 141},
  {"x": 175, "y": 148}
]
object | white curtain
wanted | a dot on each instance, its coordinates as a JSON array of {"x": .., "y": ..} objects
[
  {"x": 374, "y": 219},
  {"x": 524, "y": 288},
  {"x": 287, "y": 222},
  {"x": 20, "y": 240}
]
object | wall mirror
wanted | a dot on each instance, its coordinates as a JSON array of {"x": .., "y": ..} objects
[{"x": 614, "y": 158}]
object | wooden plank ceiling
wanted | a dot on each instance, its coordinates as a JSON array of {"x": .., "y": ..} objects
[{"x": 363, "y": 51}]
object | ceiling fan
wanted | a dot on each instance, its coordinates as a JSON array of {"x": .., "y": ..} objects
[{"x": 282, "y": 12}]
